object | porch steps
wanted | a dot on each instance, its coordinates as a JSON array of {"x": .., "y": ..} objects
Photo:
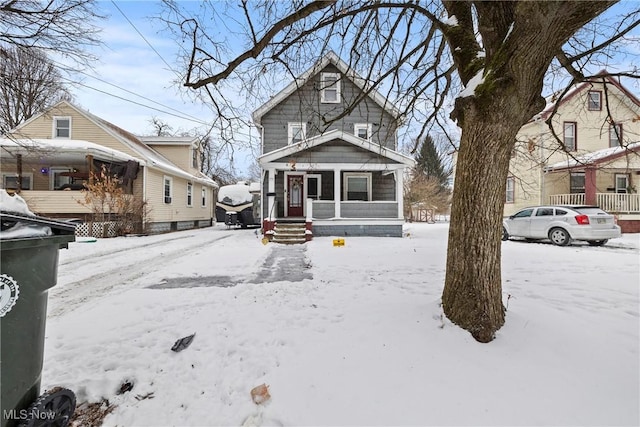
[{"x": 289, "y": 233}]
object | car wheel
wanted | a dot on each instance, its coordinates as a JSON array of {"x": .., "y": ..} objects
[
  {"x": 559, "y": 236},
  {"x": 598, "y": 242},
  {"x": 505, "y": 235}
]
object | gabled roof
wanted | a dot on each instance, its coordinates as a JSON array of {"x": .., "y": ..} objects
[
  {"x": 315, "y": 141},
  {"x": 595, "y": 157},
  {"x": 343, "y": 67},
  {"x": 582, "y": 86},
  {"x": 152, "y": 158}
]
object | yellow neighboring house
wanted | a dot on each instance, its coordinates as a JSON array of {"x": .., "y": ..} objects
[
  {"x": 50, "y": 157},
  {"x": 593, "y": 159}
]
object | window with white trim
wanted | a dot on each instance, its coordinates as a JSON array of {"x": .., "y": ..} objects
[
  {"x": 594, "y": 100},
  {"x": 622, "y": 183},
  {"x": 297, "y": 132},
  {"x": 576, "y": 182},
  {"x": 569, "y": 136},
  {"x": 314, "y": 186},
  {"x": 330, "y": 88},
  {"x": 194, "y": 157},
  {"x": 362, "y": 130},
  {"x": 357, "y": 186},
  {"x": 189, "y": 194},
  {"x": 10, "y": 181},
  {"x": 615, "y": 135},
  {"x": 511, "y": 190},
  {"x": 204, "y": 197},
  {"x": 168, "y": 189},
  {"x": 62, "y": 127}
]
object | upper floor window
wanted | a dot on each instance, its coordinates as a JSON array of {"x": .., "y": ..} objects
[
  {"x": 330, "y": 87},
  {"x": 362, "y": 130},
  {"x": 194, "y": 158},
  {"x": 168, "y": 189},
  {"x": 189, "y": 194},
  {"x": 511, "y": 189},
  {"x": 297, "y": 132},
  {"x": 62, "y": 127},
  {"x": 594, "y": 100},
  {"x": 615, "y": 135},
  {"x": 570, "y": 136}
]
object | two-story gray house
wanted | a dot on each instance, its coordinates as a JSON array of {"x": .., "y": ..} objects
[{"x": 329, "y": 159}]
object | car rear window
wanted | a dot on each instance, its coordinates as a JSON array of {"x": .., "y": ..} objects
[{"x": 591, "y": 211}]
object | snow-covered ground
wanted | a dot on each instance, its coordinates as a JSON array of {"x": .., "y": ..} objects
[{"x": 349, "y": 335}]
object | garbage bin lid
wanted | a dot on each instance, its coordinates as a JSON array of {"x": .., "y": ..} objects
[{"x": 58, "y": 228}]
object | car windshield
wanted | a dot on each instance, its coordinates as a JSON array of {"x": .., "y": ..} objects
[{"x": 590, "y": 211}]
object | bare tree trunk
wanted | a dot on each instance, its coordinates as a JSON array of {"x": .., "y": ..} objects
[{"x": 472, "y": 296}]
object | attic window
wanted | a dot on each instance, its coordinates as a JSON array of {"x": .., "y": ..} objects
[
  {"x": 330, "y": 88},
  {"x": 297, "y": 132},
  {"x": 362, "y": 130},
  {"x": 594, "y": 100},
  {"x": 615, "y": 135},
  {"x": 194, "y": 158},
  {"x": 62, "y": 127}
]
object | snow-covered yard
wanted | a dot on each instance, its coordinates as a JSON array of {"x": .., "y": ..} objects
[{"x": 359, "y": 340}]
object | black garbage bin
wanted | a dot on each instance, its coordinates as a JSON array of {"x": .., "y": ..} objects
[{"x": 28, "y": 269}]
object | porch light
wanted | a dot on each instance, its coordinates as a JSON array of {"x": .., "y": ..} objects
[{"x": 44, "y": 171}]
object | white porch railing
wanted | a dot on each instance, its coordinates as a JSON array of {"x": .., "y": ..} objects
[
  {"x": 567, "y": 199},
  {"x": 610, "y": 202},
  {"x": 619, "y": 203}
]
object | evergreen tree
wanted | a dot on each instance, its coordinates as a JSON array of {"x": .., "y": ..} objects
[{"x": 430, "y": 163}]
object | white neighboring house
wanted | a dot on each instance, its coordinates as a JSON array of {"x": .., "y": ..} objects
[
  {"x": 601, "y": 163},
  {"x": 58, "y": 150}
]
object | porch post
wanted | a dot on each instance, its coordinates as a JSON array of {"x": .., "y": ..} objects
[
  {"x": 590, "y": 186},
  {"x": 399, "y": 175},
  {"x": 269, "y": 222},
  {"x": 19, "y": 173},
  {"x": 337, "y": 185}
]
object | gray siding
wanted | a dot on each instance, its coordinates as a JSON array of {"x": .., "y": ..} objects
[
  {"x": 337, "y": 151},
  {"x": 368, "y": 210},
  {"x": 324, "y": 210},
  {"x": 304, "y": 106},
  {"x": 358, "y": 230}
]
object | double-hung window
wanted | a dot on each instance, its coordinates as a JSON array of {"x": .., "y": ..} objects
[
  {"x": 511, "y": 190},
  {"x": 569, "y": 136},
  {"x": 168, "y": 189},
  {"x": 594, "y": 100},
  {"x": 10, "y": 181},
  {"x": 62, "y": 127},
  {"x": 330, "y": 88},
  {"x": 362, "y": 130},
  {"x": 576, "y": 182},
  {"x": 357, "y": 186},
  {"x": 297, "y": 132},
  {"x": 615, "y": 135},
  {"x": 189, "y": 194}
]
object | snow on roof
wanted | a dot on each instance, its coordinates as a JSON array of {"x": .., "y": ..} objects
[
  {"x": 595, "y": 157},
  {"x": 235, "y": 194},
  {"x": 66, "y": 146}
]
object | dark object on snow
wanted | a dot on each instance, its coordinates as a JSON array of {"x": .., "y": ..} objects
[
  {"x": 125, "y": 387},
  {"x": 182, "y": 343}
]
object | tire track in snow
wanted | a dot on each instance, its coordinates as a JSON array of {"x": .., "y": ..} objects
[{"x": 113, "y": 278}]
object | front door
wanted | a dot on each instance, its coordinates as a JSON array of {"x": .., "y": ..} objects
[{"x": 295, "y": 195}]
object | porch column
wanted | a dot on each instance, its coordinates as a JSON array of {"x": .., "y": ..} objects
[
  {"x": 19, "y": 172},
  {"x": 271, "y": 194},
  {"x": 590, "y": 186},
  {"x": 337, "y": 184},
  {"x": 399, "y": 176}
]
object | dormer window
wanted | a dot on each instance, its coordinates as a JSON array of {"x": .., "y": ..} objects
[
  {"x": 594, "y": 100},
  {"x": 297, "y": 132},
  {"x": 62, "y": 127},
  {"x": 330, "y": 87},
  {"x": 362, "y": 130}
]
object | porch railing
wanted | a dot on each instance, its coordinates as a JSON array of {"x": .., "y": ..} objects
[{"x": 610, "y": 202}]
